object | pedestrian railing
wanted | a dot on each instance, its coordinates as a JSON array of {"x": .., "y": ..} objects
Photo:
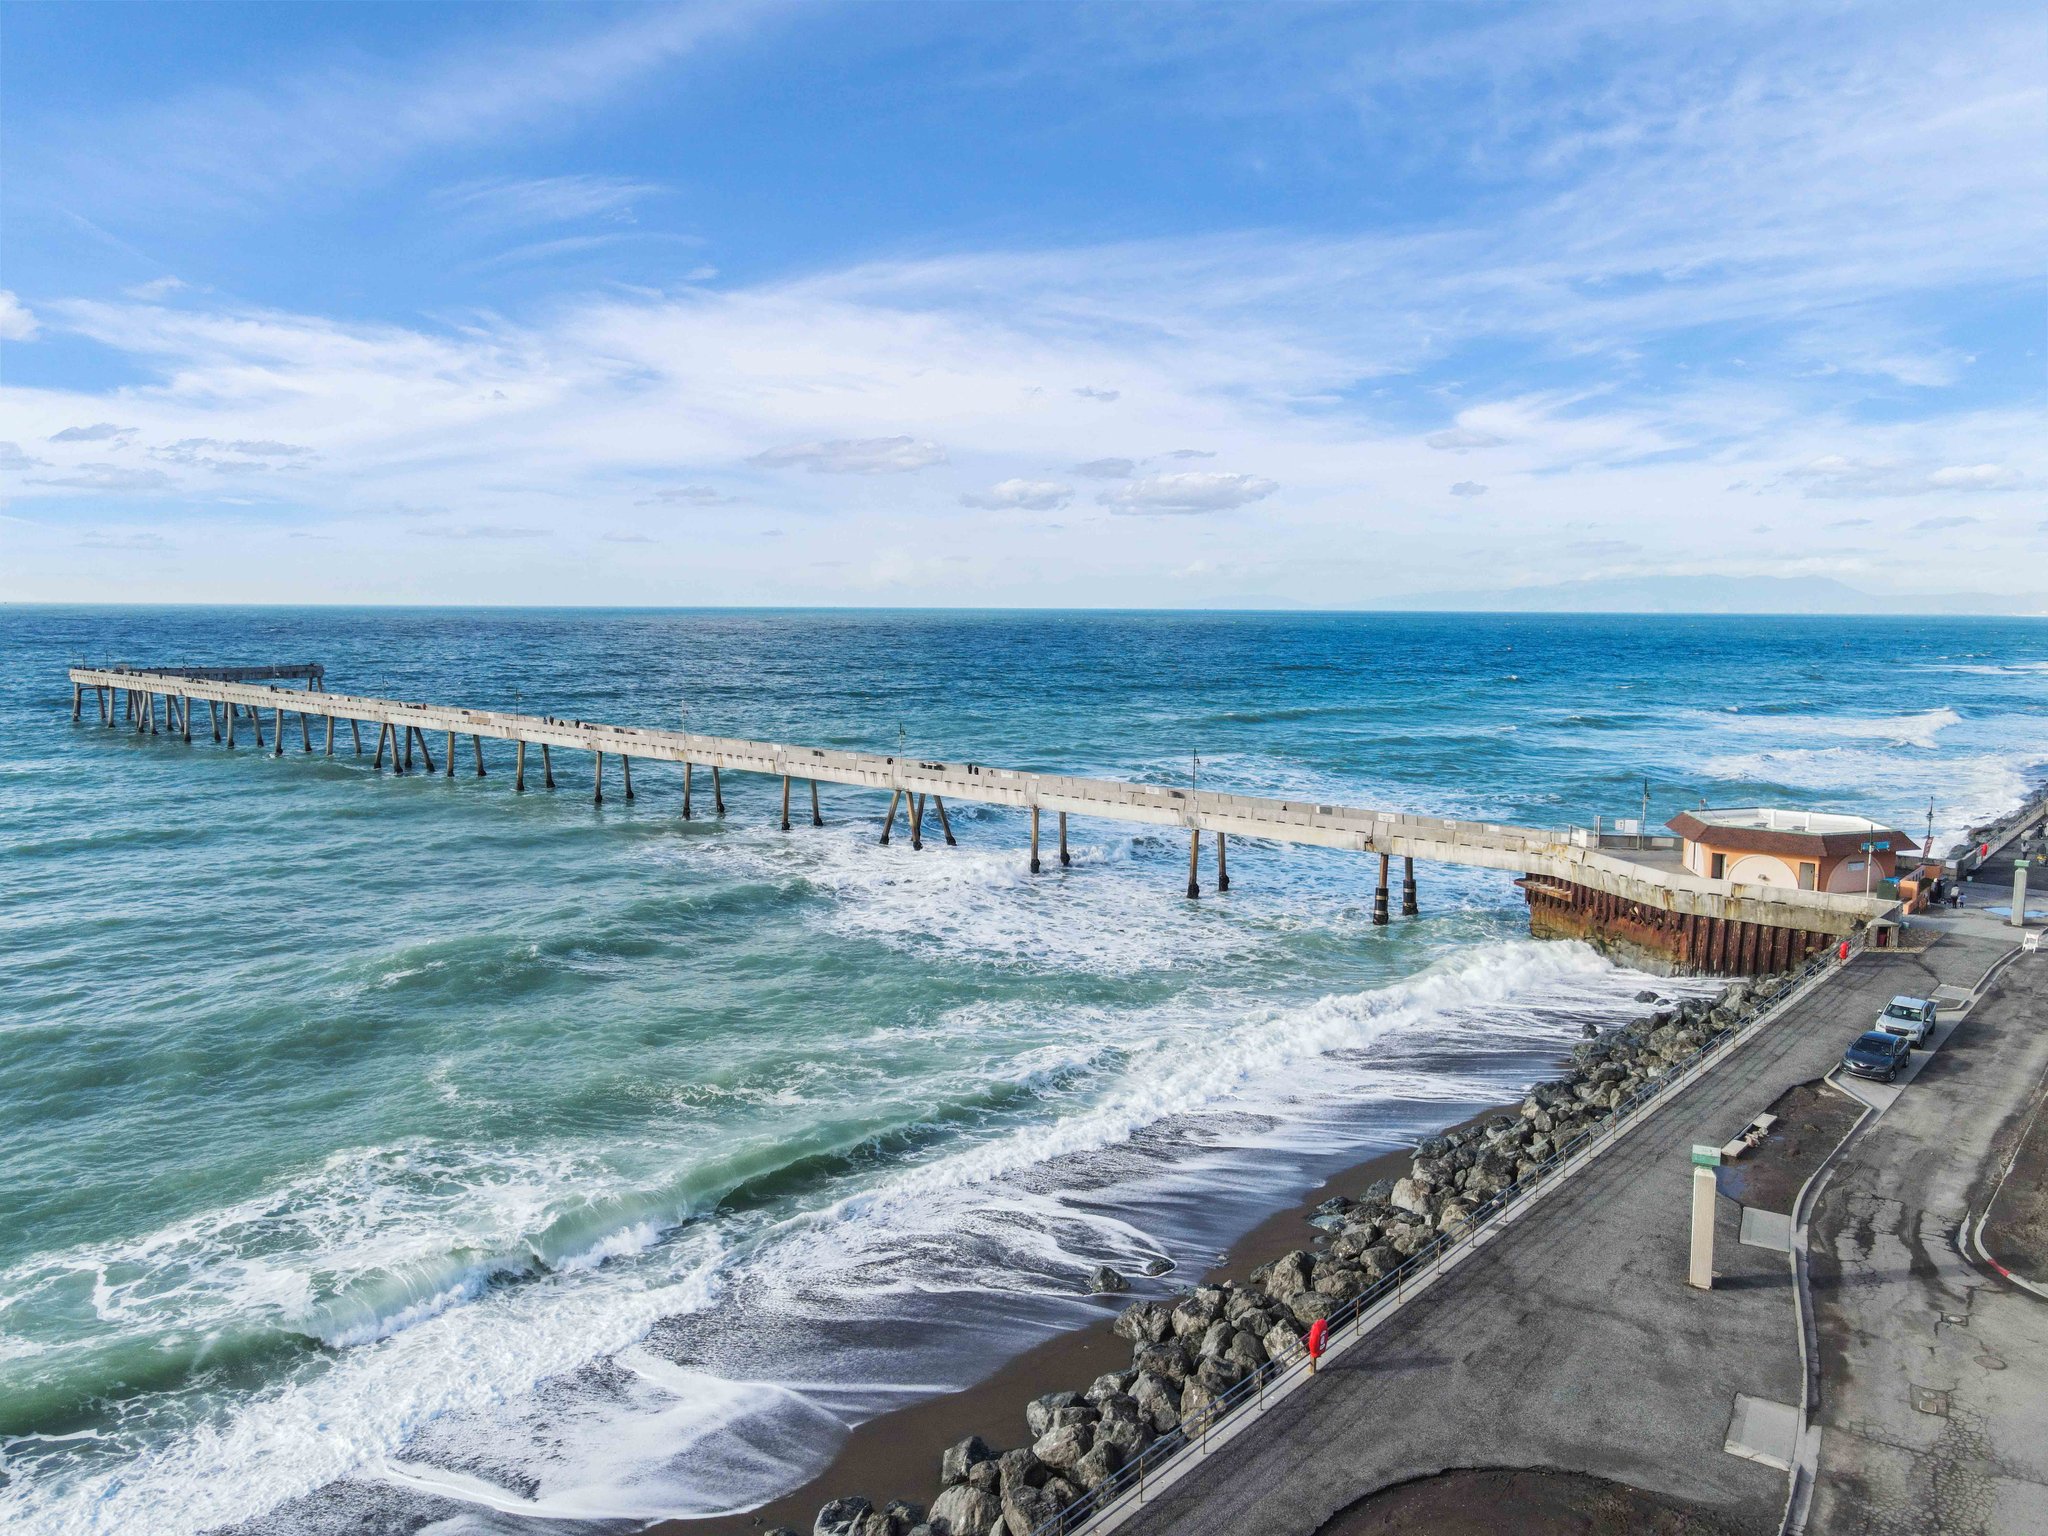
[{"x": 1100, "y": 1507}]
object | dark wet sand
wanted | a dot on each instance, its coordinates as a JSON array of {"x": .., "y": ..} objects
[{"x": 896, "y": 1455}]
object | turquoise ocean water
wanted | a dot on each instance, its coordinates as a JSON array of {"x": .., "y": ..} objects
[{"x": 416, "y": 1148}]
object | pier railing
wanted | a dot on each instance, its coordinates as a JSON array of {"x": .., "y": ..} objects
[
  {"x": 1392, "y": 834},
  {"x": 1171, "y": 1456}
]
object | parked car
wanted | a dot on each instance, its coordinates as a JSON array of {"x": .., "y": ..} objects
[
  {"x": 1878, "y": 1054},
  {"x": 1912, "y": 1017}
]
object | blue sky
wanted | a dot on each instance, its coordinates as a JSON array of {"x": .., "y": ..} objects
[{"x": 1017, "y": 304}]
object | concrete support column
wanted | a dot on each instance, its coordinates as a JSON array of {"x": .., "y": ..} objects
[
  {"x": 1194, "y": 864},
  {"x": 1222, "y": 866},
  {"x": 477, "y": 745},
  {"x": 686, "y": 789},
  {"x": 717, "y": 794},
  {"x": 330, "y": 736},
  {"x": 305, "y": 733},
  {"x": 597, "y": 780},
  {"x": 448, "y": 756},
  {"x": 1034, "y": 839},
  {"x": 1379, "y": 896},
  {"x": 817, "y": 816},
  {"x": 1700, "y": 1274},
  {"x": 1066, "y": 859},
  {"x": 889, "y": 821},
  {"x": 277, "y": 727},
  {"x": 1409, "y": 908},
  {"x": 547, "y": 767},
  {"x": 77, "y": 702},
  {"x": 945, "y": 822},
  {"x": 785, "y": 802},
  {"x": 426, "y": 752},
  {"x": 519, "y": 767},
  {"x": 355, "y": 729},
  {"x": 917, "y": 823},
  {"x": 229, "y": 711},
  {"x": 626, "y": 769}
]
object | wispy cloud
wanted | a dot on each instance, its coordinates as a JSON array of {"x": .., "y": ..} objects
[
  {"x": 100, "y": 432},
  {"x": 354, "y": 118},
  {"x": 514, "y": 201},
  {"x": 1468, "y": 488},
  {"x": 1106, "y": 469},
  {"x": 855, "y": 456}
]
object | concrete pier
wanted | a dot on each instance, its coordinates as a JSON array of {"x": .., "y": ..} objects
[{"x": 1641, "y": 903}]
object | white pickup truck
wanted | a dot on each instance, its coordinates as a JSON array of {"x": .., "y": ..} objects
[{"x": 1911, "y": 1017}]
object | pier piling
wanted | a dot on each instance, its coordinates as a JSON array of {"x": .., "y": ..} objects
[
  {"x": 519, "y": 766},
  {"x": 1034, "y": 837},
  {"x": 355, "y": 729},
  {"x": 889, "y": 821},
  {"x": 945, "y": 821},
  {"x": 1222, "y": 866},
  {"x": 1195, "y": 864},
  {"x": 305, "y": 733},
  {"x": 597, "y": 780},
  {"x": 330, "y": 737},
  {"x": 448, "y": 757},
  {"x": 1066, "y": 859},
  {"x": 717, "y": 793},
  {"x": 383, "y": 732},
  {"x": 276, "y": 730},
  {"x": 1379, "y": 896},
  {"x": 626, "y": 771},
  {"x": 917, "y": 823},
  {"x": 77, "y": 702},
  {"x": 547, "y": 768},
  {"x": 817, "y": 817},
  {"x": 1409, "y": 908},
  {"x": 785, "y": 802},
  {"x": 686, "y": 789}
]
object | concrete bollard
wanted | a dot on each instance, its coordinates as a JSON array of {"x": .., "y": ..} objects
[
  {"x": 1700, "y": 1273},
  {"x": 2019, "y": 893}
]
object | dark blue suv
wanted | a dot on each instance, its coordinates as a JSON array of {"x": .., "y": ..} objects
[{"x": 1877, "y": 1055}]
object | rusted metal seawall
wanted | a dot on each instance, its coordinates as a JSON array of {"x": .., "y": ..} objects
[{"x": 1655, "y": 939}]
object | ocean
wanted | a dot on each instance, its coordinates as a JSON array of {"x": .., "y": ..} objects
[{"x": 493, "y": 1160}]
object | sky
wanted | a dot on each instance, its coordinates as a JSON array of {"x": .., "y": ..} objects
[{"x": 1114, "y": 305}]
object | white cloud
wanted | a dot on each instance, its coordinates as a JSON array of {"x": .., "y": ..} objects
[
  {"x": 1191, "y": 491},
  {"x": 1468, "y": 488},
  {"x": 11, "y": 457},
  {"x": 855, "y": 456},
  {"x": 1025, "y": 495},
  {"x": 1103, "y": 395},
  {"x": 485, "y": 531},
  {"x": 16, "y": 323}
]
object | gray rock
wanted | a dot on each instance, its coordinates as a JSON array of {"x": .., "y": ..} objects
[
  {"x": 1288, "y": 1274},
  {"x": 1038, "y": 1413},
  {"x": 1143, "y": 1322},
  {"x": 1099, "y": 1465},
  {"x": 1026, "y": 1509},
  {"x": 1060, "y": 1447},
  {"x": 1021, "y": 1468},
  {"x": 1245, "y": 1352},
  {"x": 1410, "y": 1195},
  {"x": 1282, "y": 1342},
  {"x": 1106, "y": 1281},
  {"x": 985, "y": 1475},
  {"x": 1309, "y": 1306},
  {"x": 965, "y": 1511},
  {"x": 1169, "y": 1361},
  {"x": 1158, "y": 1399},
  {"x": 842, "y": 1517},
  {"x": 1109, "y": 1384},
  {"x": 957, "y": 1459}
]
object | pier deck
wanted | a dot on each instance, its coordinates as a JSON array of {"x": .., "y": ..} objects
[{"x": 1693, "y": 921}]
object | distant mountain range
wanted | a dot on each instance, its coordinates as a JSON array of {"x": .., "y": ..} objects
[{"x": 1714, "y": 594}]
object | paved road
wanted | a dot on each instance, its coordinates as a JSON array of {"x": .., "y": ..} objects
[
  {"x": 1933, "y": 1375},
  {"x": 1572, "y": 1341}
]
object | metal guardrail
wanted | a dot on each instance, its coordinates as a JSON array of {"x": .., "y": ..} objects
[{"x": 1124, "y": 1491}]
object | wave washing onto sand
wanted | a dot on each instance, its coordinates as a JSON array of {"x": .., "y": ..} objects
[{"x": 547, "y": 1397}]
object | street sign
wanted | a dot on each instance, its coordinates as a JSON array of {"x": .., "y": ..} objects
[
  {"x": 1877, "y": 847},
  {"x": 1704, "y": 1156}
]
